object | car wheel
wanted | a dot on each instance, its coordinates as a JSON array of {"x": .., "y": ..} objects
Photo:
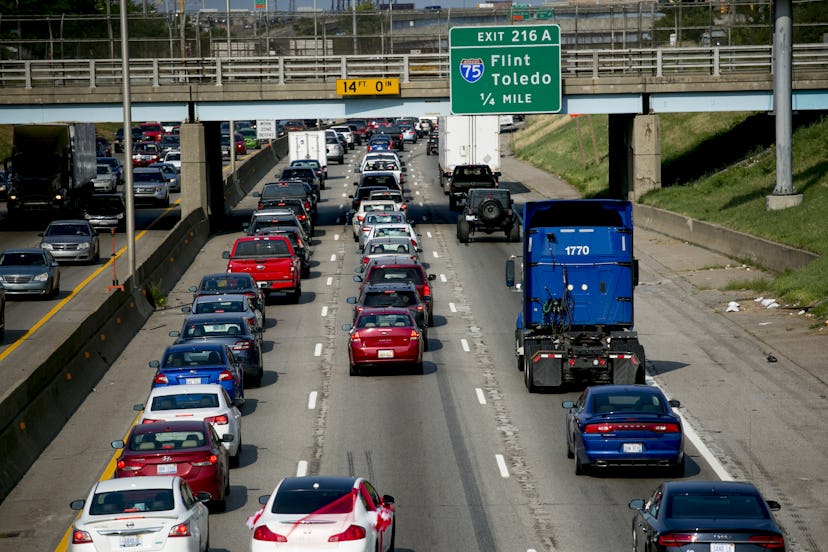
[
  {"x": 569, "y": 453},
  {"x": 462, "y": 229},
  {"x": 218, "y": 505},
  {"x": 56, "y": 289},
  {"x": 580, "y": 468},
  {"x": 236, "y": 458},
  {"x": 296, "y": 296},
  {"x": 305, "y": 272},
  {"x": 355, "y": 370},
  {"x": 425, "y": 340},
  {"x": 393, "y": 545},
  {"x": 418, "y": 367},
  {"x": 676, "y": 470}
]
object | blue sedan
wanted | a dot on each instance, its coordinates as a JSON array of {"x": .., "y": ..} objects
[
  {"x": 624, "y": 425},
  {"x": 198, "y": 363}
]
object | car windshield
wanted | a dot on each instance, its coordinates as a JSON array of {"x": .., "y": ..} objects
[
  {"x": 379, "y": 179},
  {"x": 149, "y": 176},
  {"x": 389, "y": 232},
  {"x": 388, "y": 274},
  {"x": 185, "y": 401},
  {"x": 386, "y": 248},
  {"x": 626, "y": 402},
  {"x": 167, "y": 440},
  {"x": 132, "y": 500},
  {"x": 212, "y": 329},
  {"x": 283, "y": 189},
  {"x": 104, "y": 169},
  {"x": 67, "y": 230},
  {"x": 715, "y": 505},
  {"x": 22, "y": 259}
]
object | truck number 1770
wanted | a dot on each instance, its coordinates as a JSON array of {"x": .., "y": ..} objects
[{"x": 577, "y": 249}]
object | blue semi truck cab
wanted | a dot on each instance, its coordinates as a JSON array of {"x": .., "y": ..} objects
[{"x": 578, "y": 276}]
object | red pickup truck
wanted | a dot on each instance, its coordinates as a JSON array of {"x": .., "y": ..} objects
[{"x": 272, "y": 262}]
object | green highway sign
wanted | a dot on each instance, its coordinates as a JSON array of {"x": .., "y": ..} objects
[{"x": 505, "y": 69}]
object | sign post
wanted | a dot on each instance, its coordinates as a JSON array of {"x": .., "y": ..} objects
[{"x": 505, "y": 69}]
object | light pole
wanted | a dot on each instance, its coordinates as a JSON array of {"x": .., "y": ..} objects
[
  {"x": 228, "y": 27},
  {"x": 130, "y": 200},
  {"x": 353, "y": 23}
]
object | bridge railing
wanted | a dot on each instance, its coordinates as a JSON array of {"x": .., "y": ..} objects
[{"x": 596, "y": 64}]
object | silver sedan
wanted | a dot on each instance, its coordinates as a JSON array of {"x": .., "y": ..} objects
[
  {"x": 31, "y": 271},
  {"x": 71, "y": 240}
]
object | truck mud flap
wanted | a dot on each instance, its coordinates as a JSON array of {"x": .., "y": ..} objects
[
  {"x": 544, "y": 367},
  {"x": 625, "y": 368}
]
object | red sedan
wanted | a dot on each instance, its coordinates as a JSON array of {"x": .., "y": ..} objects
[
  {"x": 190, "y": 449},
  {"x": 384, "y": 336}
]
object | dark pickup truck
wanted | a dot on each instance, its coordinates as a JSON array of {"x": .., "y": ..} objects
[{"x": 466, "y": 177}]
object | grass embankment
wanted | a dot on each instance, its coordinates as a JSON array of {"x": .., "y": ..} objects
[{"x": 716, "y": 167}]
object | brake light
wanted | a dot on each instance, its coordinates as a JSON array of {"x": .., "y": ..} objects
[
  {"x": 612, "y": 427},
  {"x": 122, "y": 465},
  {"x": 241, "y": 346},
  {"x": 262, "y": 533},
  {"x": 768, "y": 541},
  {"x": 218, "y": 420},
  {"x": 226, "y": 375},
  {"x": 420, "y": 308},
  {"x": 360, "y": 218},
  {"x": 414, "y": 334},
  {"x": 260, "y": 206},
  {"x": 301, "y": 217},
  {"x": 161, "y": 379},
  {"x": 365, "y": 260},
  {"x": 352, "y": 533},
  {"x": 80, "y": 537},
  {"x": 676, "y": 539},
  {"x": 426, "y": 290},
  {"x": 355, "y": 336},
  {"x": 209, "y": 461},
  {"x": 180, "y": 530}
]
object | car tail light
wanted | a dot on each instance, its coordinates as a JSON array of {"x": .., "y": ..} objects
[
  {"x": 80, "y": 537},
  {"x": 262, "y": 533},
  {"x": 251, "y": 321},
  {"x": 352, "y": 533},
  {"x": 208, "y": 461},
  {"x": 150, "y": 421},
  {"x": 180, "y": 530},
  {"x": 355, "y": 336},
  {"x": 366, "y": 228},
  {"x": 414, "y": 334},
  {"x": 134, "y": 466},
  {"x": 612, "y": 427},
  {"x": 226, "y": 375},
  {"x": 676, "y": 539},
  {"x": 426, "y": 290},
  {"x": 218, "y": 420},
  {"x": 365, "y": 260},
  {"x": 420, "y": 308},
  {"x": 302, "y": 217},
  {"x": 260, "y": 206},
  {"x": 768, "y": 541},
  {"x": 161, "y": 379},
  {"x": 360, "y": 218},
  {"x": 241, "y": 346}
]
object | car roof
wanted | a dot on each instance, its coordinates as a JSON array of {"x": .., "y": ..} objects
[
  {"x": 68, "y": 221},
  {"x": 394, "y": 261},
  {"x": 385, "y": 310},
  {"x": 141, "y": 482},
  {"x": 716, "y": 486},
  {"x": 221, "y": 297},
  {"x": 622, "y": 389},
  {"x": 22, "y": 250},
  {"x": 203, "y": 346},
  {"x": 215, "y": 317},
  {"x": 396, "y": 286},
  {"x": 272, "y": 212}
]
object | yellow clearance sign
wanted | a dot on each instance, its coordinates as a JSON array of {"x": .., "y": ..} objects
[{"x": 367, "y": 87}]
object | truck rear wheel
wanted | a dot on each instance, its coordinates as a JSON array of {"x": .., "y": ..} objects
[{"x": 462, "y": 229}]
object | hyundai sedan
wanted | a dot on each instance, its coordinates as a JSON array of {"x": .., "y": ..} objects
[
  {"x": 157, "y": 512},
  {"x": 387, "y": 336},
  {"x": 624, "y": 425},
  {"x": 191, "y": 449},
  {"x": 324, "y": 513},
  {"x": 715, "y": 516}
]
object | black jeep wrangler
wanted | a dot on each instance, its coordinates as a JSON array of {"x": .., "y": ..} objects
[
  {"x": 488, "y": 210},
  {"x": 466, "y": 177}
]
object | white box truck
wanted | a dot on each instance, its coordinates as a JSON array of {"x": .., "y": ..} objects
[
  {"x": 468, "y": 140},
  {"x": 308, "y": 144}
]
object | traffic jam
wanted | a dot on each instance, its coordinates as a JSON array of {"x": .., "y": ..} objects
[{"x": 367, "y": 182}]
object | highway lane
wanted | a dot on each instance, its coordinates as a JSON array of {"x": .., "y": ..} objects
[{"x": 431, "y": 440}]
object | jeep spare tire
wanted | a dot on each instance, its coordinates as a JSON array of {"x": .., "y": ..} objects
[{"x": 490, "y": 211}]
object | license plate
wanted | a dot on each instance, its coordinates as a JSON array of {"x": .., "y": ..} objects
[
  {"x": 166, "y": 469},
  {"x": 722, "y": 547},
  {"x": 385, "y": 353},
  {"x": 130, "y": 541},
  {"x": 470, "y": 217},
  {"x": 192, "y": 381},
  {"x": 632, "y": 447}
]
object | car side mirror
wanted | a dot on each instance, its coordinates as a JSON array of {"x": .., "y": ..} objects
[
  {"x": 510, "y": 273},
  {"x": 78, "y": 504},
  {"x": 351, "y": 300},
  {"x": 432, "y": 276},
  {"x": 674, "y": 403},
  {"x": 154, "y": 364},
  {"x": 188, "y": 308},
  {"x": 225, "y": 254},
  {"x": 238, "y": 402},
  {"x": 636, "y": 504},
  {"x": 568, "y": 404},
  {"x": 356, "y": 183},
  {"x": 419, "y": 250},
  {"x": 257, "y": 194},
  {"x": 119, "y": 444},
  {"x": 138, "y": 407},
  {"x": 346, "y": 327},
  {"x": 773, "y": 505},
  {"x": 387, "y": 499},
  {"x": 263, "y": 499},
  {"x": 192, "y": 289},
  {"x": 174, "y": 333},
  {"x": 227, "y": 438},
  {"x": 357, "y": 278}
]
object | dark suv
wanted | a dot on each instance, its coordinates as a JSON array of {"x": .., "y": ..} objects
[
  {"x": 399, "y": 294},
  {"x": 400, "y": 269},
  {"x": 488, "y": 210},
  {"x": 466, "y": 177},
  {"x": 432, "y": 144}
]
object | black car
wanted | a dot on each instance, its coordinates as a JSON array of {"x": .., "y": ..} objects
[
  {"x": 137, "y": 136},
  {"x": 287, "y": 188},
  {"x": 396, "y": 135},
  {"x": 397, "y": 294},
  {"x": 230, "y": 282},
  {"x": 705, "y": 515},
  {"x": 231, "y": 329},
  {"x": 106, "y": 211},
  {"x": 295, "y": 204},
  {"x": 305, "y": 174}
]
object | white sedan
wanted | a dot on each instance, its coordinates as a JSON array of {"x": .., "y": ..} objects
[
  {"x": 208, "y": 402},
  {"x": 319, "y": 513},
  {"x": 393, "y": 231},
  {"x": 141, "y": 513},
  {"x": 367, "y": 206}
]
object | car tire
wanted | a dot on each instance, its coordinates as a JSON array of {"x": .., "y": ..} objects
[
  {"x": 305, "y": 271},
  {"x": 452, "y": 203},
  {"x": 580, "y": 468},
  {"x": 355, "y": 370},
  {"x": 393, "y": 545},
  {"x": 419, "y": 368},
  {"x": 294, "y": 298},
  {"x": 569, "y": 453},
  {"x": 463, "y": 229},
  {"x": 235, "y": 460},
  {"x": 55, "y": 290},
  {"x": 513, "y": 233},
  {"x": 676, "y": 471},
  {"x": 425, "y": 339}
]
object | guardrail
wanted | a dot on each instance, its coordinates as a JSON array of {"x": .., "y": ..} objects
[{"x": 596, "y": 64}]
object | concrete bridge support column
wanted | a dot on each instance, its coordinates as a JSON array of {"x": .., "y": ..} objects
[
  {"x": 193, "y": 169},
  {"x": 215, "y": 177},
  {"x": 634, "y": 155},
  {"x": 620, "y": 155}
]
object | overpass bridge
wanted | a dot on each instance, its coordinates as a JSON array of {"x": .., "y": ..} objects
[{"x": 612, "y": 81}]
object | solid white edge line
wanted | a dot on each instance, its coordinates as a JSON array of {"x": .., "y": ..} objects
[
  {"x": 302, "y": 469},
  {"x": 689, "y": 432},
  {"x": 312, "y": 400},
  {"x": 452, "y": 308},
  {"x": 443, "y": 278},
  {"x": 465, "y": 344},
  {"x": 317, "y": 350},
  {"x": 329, "y": 281},
  {"x": 325, "y": 311},
  {"x": 501, "y": 466},
  {"x": 481, "y": 398}
]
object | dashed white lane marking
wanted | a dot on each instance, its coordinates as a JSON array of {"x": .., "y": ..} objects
[
  {"x": 336, "y": 237},
  {"x": 463, "y": 343},
  {"x": 344, "y": 194},
  {"x": 329, "y": 281},
  {"x": 421, "y": 205},
  {"x": 481, "y": 398},
  {"x": 317, "y": 350},
  {"x": 428, "y": 234},
  {"x": 443, "y": 278},
  {"x": 312, "y": 400},
  {"x": 416, "y": 192},
  {"x": 333, "y": 258},
  {"x": 436, "y": 255},
  {"x": 302, "y": 469},
  {"x": 694, "y": 438},
  {"x": 325, "y": 311},
  {"x": 452, "y": 308},
  {"x": 501, "y": 465}
]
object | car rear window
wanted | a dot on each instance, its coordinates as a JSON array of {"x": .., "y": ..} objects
[
  {"x": 167, "y": 440},
  {"x": 185, "y": 401},
  {"x": 284, "y": 189},
  {"x": 383, "y": 219},
  {"x": 213, "y": 329},
  {"x": 264, "y": 248},
  {"x": 313, "y": 501},
  {"x": 720, "y": 506},
  {"x": 390, "y": 298},
  {"x": 185, "y": 359},
  {"x": 219, "y": 306},
  {"x": 138, "y": 500},
  {"x": 390, "y": 274},
  {"x": 383, "y": 321},
  {"x": 224, "y": 283}
]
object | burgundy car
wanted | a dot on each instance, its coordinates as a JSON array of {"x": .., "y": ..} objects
[
  {"x": 190, "y": 449},
  {"x": 383, "y": 337}
]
